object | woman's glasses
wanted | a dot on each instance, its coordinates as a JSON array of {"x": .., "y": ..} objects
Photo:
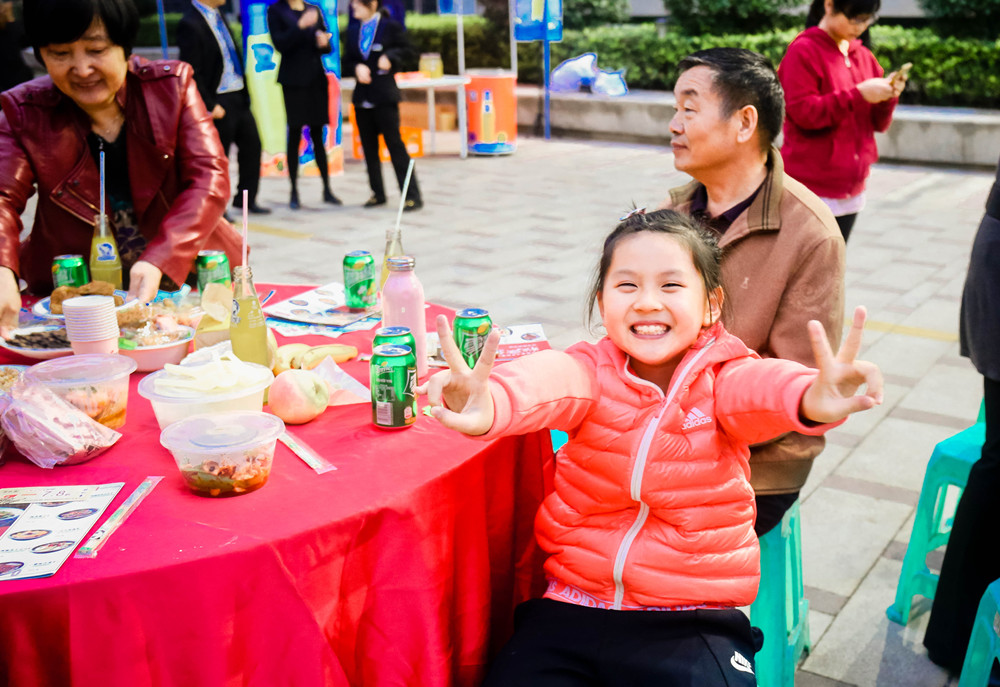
[{"x": 863, "y": 19}]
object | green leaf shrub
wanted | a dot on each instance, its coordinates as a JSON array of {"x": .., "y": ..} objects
[
  {"x": 580, "y": 14},
  {"x": 977, "y": 18},
  {"x": 697, "y": 17}
]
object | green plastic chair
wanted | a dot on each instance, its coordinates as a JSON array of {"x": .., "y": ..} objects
[
  {"x": 781, "y": 610},
  {"x": 984, "y": 644},
  {"x": 948, "y": 467}
]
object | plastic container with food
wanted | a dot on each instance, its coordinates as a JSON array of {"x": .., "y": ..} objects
[
  {"x": 96, "y": 384},
  {"x": 151, "y": 350},
  {"x": 225, "y": 454},
  {"x": 217, "y": 386}
]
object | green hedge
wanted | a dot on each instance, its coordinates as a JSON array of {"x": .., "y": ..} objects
[{"x": 946, "y": 71}]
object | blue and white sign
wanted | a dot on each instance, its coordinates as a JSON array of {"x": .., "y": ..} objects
[
  {"x": 456, "y": 6},
  {"x": 538, "y": 20}
]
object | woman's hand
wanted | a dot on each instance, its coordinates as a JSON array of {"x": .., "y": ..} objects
[
  {"x": 463, "y": 390},
  {"x": 898, "y": 83},
  {"x": 144, "y": 281},
  {"x": 876, "y": 90},
  {"x": 830, "y": 397},
  {"x": 323, "y": 39},
  {"x": 384, "y": 64},
  {"x": 363, "y": 73},
  {"x": 10, "y": 302},
  {"x": 308, "y": 18}
]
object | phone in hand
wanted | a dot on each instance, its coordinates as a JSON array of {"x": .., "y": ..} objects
[{"x": 901, "y": 74}]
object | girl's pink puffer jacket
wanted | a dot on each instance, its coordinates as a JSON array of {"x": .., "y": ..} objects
[{"x": 652, "y": 505}]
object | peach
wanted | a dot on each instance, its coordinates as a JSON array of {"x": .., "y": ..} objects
[{"x": 298, "y": 396}]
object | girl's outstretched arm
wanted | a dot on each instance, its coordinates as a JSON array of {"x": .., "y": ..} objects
[
  {"x": 465, "y": 392},
  {"x": 832, "y": 396}
]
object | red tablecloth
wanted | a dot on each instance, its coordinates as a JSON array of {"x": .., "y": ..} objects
[{"x": 401, "y": 567}]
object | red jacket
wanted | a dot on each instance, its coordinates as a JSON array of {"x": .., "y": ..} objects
[
  {"x": 652, "y": 505},
  {"x": 178, "y": 172},
  {"x": 829, "y": 127}
]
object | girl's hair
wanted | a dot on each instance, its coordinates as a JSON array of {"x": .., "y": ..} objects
[
  {"x": 373, "y": 4},
  {"x": 704, "y": 247},
  {"x": 65, "y": 21},
  {"x": 849, "y": 8}
]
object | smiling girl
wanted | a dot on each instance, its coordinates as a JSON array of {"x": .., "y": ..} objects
[{"x": 652, "y": 509}]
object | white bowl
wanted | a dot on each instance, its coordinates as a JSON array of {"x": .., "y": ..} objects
[
  {"x": 173, "y": 405},
  {"x": 150, "y": 358}
]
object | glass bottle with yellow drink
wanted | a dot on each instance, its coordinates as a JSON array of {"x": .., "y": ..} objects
[
  {"x": 247, "y": 328},
  {"x": 105, "y": 263}
]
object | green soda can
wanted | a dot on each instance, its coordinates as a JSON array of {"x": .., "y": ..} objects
[
  {"x": 470, "y": 328},
  {"x": 213, "y": 268},
  {"x": 359, "y": 279},
  {"x": 396, "y": 336},
  {"x": 393, "y": 380},
  {"x": 69, "y": 270}
]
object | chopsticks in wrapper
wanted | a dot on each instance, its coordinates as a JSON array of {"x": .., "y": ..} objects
[
  {"x": 308, "y": 455},
  {"x": 97, "y": 539}
]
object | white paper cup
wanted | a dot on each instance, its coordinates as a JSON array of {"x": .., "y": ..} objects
[
  {"x": 90, "y": 319},
  {"x": 108, "y": 346}
]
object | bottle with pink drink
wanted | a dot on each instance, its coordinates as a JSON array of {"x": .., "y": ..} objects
[{"x": 403, "y": 305}]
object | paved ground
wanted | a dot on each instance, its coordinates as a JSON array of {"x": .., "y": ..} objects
[{"x": 520, "y": 236}]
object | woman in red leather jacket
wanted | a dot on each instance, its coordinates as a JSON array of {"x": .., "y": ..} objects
[{"x": 167, "y": 179}]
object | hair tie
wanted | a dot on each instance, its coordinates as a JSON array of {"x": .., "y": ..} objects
[{"x": 632, "y": 213}]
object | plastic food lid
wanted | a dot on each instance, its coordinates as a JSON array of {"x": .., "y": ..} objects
[
  {"x": 217, "y": 433},
  {"x": 147, "y": 387},
  {"x": 82, "y": 369}
]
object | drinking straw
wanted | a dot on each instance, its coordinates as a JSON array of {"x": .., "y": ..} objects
[
  {"x": 307, "y": 453},
  {"x": 402, "y": 200},
  {"x": 102, "y": 183},
  {"x": 98, "y": 538},
  {"x": 244, "y": 227}
]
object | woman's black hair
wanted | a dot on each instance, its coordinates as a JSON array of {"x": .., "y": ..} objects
[
  {"x": 850, "y": 9},
  {"x": 705, "y": 251},
  {"x": 65, "y": 21}
]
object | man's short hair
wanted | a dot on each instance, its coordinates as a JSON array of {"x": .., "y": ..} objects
[{"x": 742, "y": 77}]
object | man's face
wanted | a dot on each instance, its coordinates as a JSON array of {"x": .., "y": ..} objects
[{"x": 703, "y": 139}]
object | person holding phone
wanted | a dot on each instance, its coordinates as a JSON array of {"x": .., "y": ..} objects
[{"x": 836, "y": 98}]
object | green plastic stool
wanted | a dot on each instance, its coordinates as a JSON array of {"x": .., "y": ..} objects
[
  {"x": 949, "y": 466},
  {"x": 781, "y": 610},
  {"x": 558, "y": 438},
  {"x": 984, "y": 644}
]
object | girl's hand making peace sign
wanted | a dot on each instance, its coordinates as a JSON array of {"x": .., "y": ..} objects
[
  {"x": 832, "y": 396},
  {"x": 465, "y": 392}
]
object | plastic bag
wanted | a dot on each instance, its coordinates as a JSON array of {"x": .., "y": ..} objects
[
  {"x": 610, "y": 83},
  {"x": 49, "y": 431},
  {"x": 344, "y": 389},
  {"x": 575, "y": 72}
]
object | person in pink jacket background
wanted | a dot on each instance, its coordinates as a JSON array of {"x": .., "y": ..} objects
[
  {"x": 652, "y": 508},
  {"x": 836, "y": 98}
]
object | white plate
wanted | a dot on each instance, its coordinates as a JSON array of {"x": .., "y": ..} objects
[
  {"x": 41, "y": 308},
  {"x": 36, "y": 353}
]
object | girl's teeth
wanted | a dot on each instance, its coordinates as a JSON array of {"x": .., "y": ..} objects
[{"x": 650, "y": 329}]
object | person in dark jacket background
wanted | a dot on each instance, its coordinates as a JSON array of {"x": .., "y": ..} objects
[
  {"x": 300, "y": 35},
  {"x": 972, "y": 559},
  {"x": 206, "y": 43},
  {"x": 375, "y": 49}
]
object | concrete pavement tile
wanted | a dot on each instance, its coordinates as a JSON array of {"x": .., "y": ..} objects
[
  {"x": 819, "y": 623},
  {"x": 804, "y": 678},
  {"x": 906, "y": 355},
  {"x": 948, "y": 390},
  {"x": 895, "y": 453},
  {"x": 862, "y": 647},
  {"x": 824, "y": 464},
  {"x": 933, "y": 312},
  {"x": 843, "y": 534}
]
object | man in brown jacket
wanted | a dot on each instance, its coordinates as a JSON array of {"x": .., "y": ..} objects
[{"x": 782, "y": 254}]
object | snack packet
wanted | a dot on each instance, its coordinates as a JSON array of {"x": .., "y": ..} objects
[{"x": 49, "y": 431}]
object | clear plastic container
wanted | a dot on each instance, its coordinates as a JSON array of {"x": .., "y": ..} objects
[
  {"x": 170, "y": 406},
  {"x": 226, "y": 454},
  {"x": 96, "y": 384}
]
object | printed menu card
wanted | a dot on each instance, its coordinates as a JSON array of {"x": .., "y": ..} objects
[{"x": 41, "y": 526}]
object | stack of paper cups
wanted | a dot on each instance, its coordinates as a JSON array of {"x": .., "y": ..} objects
[{"x": 91, "y": 324}]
